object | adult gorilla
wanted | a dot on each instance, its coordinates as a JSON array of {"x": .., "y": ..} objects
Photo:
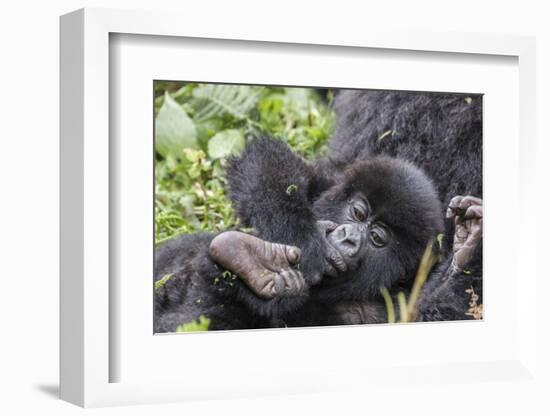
[{"x": 442, "y": 134}]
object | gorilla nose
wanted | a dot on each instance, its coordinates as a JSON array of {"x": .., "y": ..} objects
[{"x": 348, "y": 239}]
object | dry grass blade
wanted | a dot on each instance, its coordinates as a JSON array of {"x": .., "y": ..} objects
[
  {"x": 407, "y": 309},
  {"x": 389, "y": 305},
  {"x": 426, "y": 264}
]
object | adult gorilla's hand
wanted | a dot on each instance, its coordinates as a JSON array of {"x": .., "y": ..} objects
[
  {"x": 467, "y": 212},
  {"x": 266, "y": 268}
]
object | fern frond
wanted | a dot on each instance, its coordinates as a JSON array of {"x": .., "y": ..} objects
[{"x": 215, "y": 100}]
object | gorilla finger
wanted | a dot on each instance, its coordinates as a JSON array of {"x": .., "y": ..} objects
[
  {"x": 278, "y": 285},
  {"x": 290, "y": 282},
  {"x": 450, "y": 213},
  {"x": 469, "y": 201},
  {"x": 293, "y": 254},
  {"x": 461, "y": 234},
  {"x": 301, "y": 282},
  {"x": 474, "y": 212},
  {"x": 475, "y": 228},
  {"x": 476, "y": 233},
  {"x": 269, "y": 291},
  {"x": 298, "y": 280},
  {"x": 455, "y": 202},
  {"x": 266, "y": 290},
  {"x": 453, "y": 207}
]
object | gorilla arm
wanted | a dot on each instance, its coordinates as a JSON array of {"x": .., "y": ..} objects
[
  {"x": 235, "y": 279},
  {"x": 271, "y": 189},
  {"x": 449, "y": 294}
]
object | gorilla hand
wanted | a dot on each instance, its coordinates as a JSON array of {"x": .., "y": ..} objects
[
  {"x": 467, "y": 212},
  {"x": 264, "y": 267}
]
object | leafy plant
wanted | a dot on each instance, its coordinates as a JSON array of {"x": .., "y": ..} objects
[
  {"x": 219, "y": 100},
  {"x": 224, "y": 143},
  {"x": 197, "y": 126},
  {"x": 174, "y": 130}
]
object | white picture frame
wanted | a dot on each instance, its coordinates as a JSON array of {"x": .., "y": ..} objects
[{"x": 86, "y": 305}]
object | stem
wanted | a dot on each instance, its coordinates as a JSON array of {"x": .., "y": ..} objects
[
  {"x": 426, "y": 263},
  {"x": 403, "y": 313},
  {"x": 389, "y": 305}
]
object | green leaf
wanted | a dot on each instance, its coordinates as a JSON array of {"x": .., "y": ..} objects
[
  {"x": 202, "y": 325},
  {"x": 216, "y": 100},
  {"x": 161, "y": 282},
  {"x": 174, "y": 130},
  {"x": 291, "y": 189},
  {"x": 225, "y": 143},
  {"x": 299, "y": 99},
  {"x": 193, "y": 156}
]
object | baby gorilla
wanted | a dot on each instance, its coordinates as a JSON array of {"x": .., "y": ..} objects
[{"x": 373, "y": 221}]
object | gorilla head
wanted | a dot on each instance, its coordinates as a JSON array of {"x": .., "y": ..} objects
[{"x": 378, "y": 219}]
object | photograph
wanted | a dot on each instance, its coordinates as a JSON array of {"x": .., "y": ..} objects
[{"x": 287, "y": 206}]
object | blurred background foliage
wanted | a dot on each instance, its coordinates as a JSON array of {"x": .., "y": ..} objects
[{"x": 197, "y": 126}]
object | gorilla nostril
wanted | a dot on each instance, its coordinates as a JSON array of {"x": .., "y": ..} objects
[{"x": 344, "y": 232}]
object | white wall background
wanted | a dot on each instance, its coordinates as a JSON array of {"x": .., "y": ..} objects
[{"x": 29, "y": 57}]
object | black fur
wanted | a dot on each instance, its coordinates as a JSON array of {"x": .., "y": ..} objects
[{"x": 439, "y": 132}]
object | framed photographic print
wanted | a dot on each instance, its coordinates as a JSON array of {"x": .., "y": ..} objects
[{"x": 284, "y": 213}]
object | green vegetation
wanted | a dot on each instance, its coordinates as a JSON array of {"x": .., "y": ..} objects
[
  {"x": 202, "y": 325},
  {"x": 161, "y": 282},
  {"x": 197, "y": 126}
]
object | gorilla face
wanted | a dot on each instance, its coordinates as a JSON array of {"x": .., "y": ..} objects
[
  {"x": 378, "y": 220},
  {"x": 359, "y": 233}
]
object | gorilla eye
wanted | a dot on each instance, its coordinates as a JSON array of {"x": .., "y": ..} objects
[
  {"x": 359, "y": 214},
  {"x": 378, "y": 237}
]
